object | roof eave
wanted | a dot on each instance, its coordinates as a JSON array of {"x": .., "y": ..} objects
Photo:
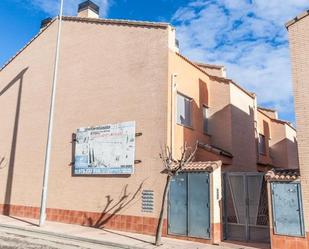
[
  {"x": 118, "y": 21},
  {"x": 27, "y": 44},
  {"x": 296, "y": 19}
]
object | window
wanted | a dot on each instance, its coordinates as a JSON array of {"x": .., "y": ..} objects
[
  {"x": 262, "y": 144},
  {"x": 184, "y": 110},
  {"x": 205, "y": 119}
]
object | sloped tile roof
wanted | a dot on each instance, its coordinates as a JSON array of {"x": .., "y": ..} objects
[
  {"x": 208, "y": 166},
  {"x": 117, "y": 21},
  {"x": 90, "y": 20},
  {"x": 282, "y": 175}
]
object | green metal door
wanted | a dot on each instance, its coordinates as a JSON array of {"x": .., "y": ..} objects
[
  {"x": 198, "y": 205},
  {"x": 287, "y": 209},
  {"x": 177, "y": 218},
  {"x": 189, "y": 207}
]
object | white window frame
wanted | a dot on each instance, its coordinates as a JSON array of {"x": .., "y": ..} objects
[
  {"x": 262, "y": 151},
  {"x": 205, "y": 111},
  {"x": 187, "y": 113}
]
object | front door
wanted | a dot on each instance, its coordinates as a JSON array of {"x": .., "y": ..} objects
[
  {"x": 189, "y": 209},
  {"x": 245, "y": 207}
]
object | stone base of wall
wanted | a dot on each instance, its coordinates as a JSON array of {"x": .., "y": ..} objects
[
  {"x": 288, "y": 242},
  {"x": 135, "y": 224}
]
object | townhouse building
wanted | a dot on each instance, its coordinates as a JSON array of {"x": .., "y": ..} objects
[{"x": 131, "y": 73}]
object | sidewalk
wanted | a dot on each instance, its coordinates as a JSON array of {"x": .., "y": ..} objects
[{"x": 117, "y": 239}]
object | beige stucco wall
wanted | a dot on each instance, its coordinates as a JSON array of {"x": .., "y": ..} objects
[
  {"x": 283, "y": 146},
  {"x": 265, "y": 128},
  {"x": 270, "y": 113},
  {"x": 108, "y": 73},
  {"x": 195, "y": 84},
  {"x": 24, "y": 100},
  {"x": 212, "y": 70},
  {"x": 299, "y": 46},
  {"x": 281, "y": 143},
  {"x": 291, "y": 138},
  {"x": 231, "y": 114},
  {"x": 243, "y": 130},
  {"x": 192, "y": 83},
  {"x": 220, "y": 115}
]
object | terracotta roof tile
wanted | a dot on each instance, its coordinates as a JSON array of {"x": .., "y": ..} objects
[
  {"x": 208, "y": 65},
  {"x": 208, "y": 166},
  {"x": 117, "y": 21},
  {"x": 282, "y": 175}
]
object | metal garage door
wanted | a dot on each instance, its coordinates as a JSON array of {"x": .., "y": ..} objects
[
  {"x": 287, "y": 209},
  {"x": 189, "y": 209}
]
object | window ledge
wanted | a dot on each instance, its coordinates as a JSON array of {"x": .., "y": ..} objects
[
  {"x": 206, "y": 134},
  {"x": 185, "y": 126}
]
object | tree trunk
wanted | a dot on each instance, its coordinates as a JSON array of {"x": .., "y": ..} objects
[{"x": 160, "y": 223}]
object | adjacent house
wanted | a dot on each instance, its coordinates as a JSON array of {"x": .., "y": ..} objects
[
  {"x": 118, "y": 71},
  {"x": 294, "y": 230}
]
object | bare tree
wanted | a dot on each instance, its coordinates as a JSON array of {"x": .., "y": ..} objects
[{"x": 171, "y": 168}]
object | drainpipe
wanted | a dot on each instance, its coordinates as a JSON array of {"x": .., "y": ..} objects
[
  {"x": 256, "y": 127},
  {"x": 173, "y": 112}
]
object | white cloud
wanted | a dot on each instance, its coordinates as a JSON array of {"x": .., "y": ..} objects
[
  {"x": 249, "y": 38},
  {"x": 70, "y": 6}
]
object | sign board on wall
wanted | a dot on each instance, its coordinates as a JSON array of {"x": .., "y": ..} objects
[{"x": 107, "y": 149}]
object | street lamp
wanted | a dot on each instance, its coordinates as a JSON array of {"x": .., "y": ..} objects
[{"x": 50, "y": 124}]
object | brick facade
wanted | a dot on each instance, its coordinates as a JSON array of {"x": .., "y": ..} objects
[
  {"x": 299, "y": 46},
  {"x": 288, "y": 242},
  {"x": 137, "y": 224}
]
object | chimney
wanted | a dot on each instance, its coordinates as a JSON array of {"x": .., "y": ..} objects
[
  {"x": 88, "y": 9},
  {"x": 45, "y": 22}
]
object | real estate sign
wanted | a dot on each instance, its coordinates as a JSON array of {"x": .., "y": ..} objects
[{"x": 106, "y": 149}]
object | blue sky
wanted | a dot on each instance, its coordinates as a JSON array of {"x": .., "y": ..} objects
[{"x": 247, "y": 36}]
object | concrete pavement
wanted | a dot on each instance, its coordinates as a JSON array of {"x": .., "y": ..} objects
[
  {"x": 102, "y": 238},
  {"x": 19, "y": 239}
]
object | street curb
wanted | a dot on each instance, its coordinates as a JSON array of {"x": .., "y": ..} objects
[{"x": 70, "y": 237}]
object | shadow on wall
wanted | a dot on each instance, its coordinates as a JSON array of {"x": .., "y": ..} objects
[
  {"x": 196, "y": 132},
  {"x": 267, "y": 137},
  {"x": 203, "y": 91},
  {"x": 266, "y": 129},
  {"x": 113, "y": 207},
  {"x": 285, "y": 154},
  {"x": 243, "y": 141},
  {"x": 11, "y": 162},
  {"x": 230, "y": 128}
]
